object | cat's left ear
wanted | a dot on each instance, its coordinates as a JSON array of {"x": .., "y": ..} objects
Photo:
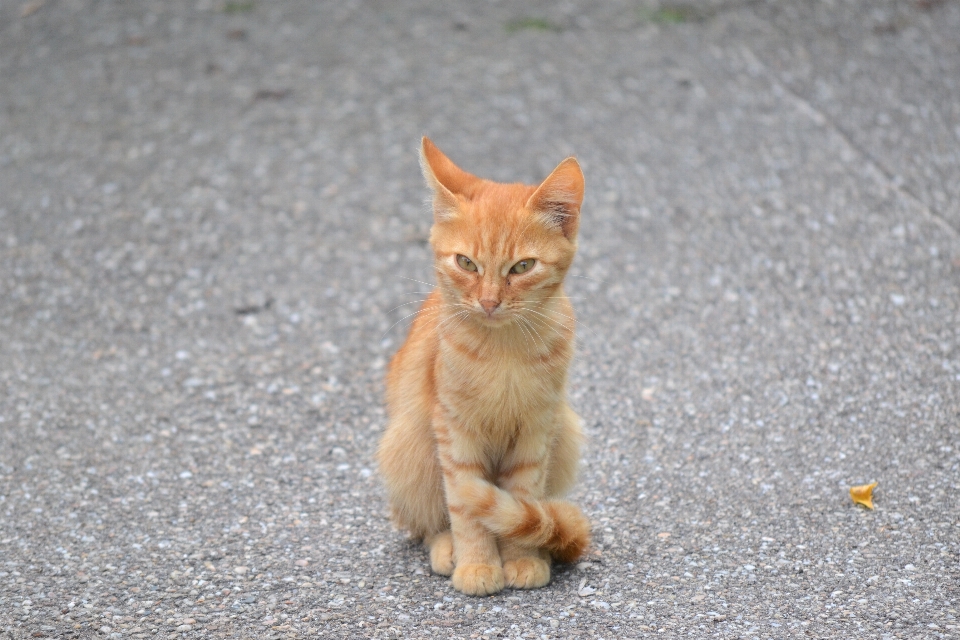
[{"x": 558, "y": 198}]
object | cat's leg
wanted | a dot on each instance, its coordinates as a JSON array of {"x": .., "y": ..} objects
[
  {"x": 441, "y": 552},
  {"x": 564, "y": 454},
  {"x": 478, "y": 570},
  {"x": 523, "y": 474}
]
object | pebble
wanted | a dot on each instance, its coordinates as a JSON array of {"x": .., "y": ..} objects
[{"x": 185, "y": 627}]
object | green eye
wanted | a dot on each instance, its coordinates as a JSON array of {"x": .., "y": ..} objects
[
  {"x": 524, "y": 265},
  {"x": 466, "y": 263}
]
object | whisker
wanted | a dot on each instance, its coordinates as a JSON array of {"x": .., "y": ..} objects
[
  {"x": 447, "y": 319},
  {"x": 526, "y": 335},
  {"x": 546, "y": 326},
  {"x": 576, "y": 322},
  {"x": 563, "y": 315},
  {"x": 448, "y": 307},
  {"x": 415, "y": 280},
  {"x": 408, "y": 316},
  {"x": 577, "y": 341},
  {"x": 587, "y": 278},
  {"x": 463, "y": 316},
  {"x": 552, "y": 319},
  {"x": 398, "y": 322},
  {"x": 406, "y": 303},
  {"x": 536, "y": 333},
  {"x": 457, "y": 304}
]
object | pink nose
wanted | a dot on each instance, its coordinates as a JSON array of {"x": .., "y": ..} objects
[{"x": 489, "y": 306}]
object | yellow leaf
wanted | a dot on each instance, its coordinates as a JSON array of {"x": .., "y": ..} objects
[{"x": 863, "y": 494}]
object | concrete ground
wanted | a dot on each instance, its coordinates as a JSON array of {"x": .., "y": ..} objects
[{"x": 210, "y": 212}]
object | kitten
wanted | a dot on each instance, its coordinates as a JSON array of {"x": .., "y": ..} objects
[{"x": 481, "y": 441}]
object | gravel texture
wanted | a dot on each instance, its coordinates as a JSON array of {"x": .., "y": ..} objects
[{"x": 210, "y": 212}]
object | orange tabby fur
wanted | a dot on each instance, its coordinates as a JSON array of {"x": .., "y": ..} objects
[{"x": 481, "y": 441}]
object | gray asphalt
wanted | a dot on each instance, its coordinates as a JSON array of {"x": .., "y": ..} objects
[{"x": 210, "y": 212}]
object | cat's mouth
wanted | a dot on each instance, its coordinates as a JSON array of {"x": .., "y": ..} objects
[{"x": 493, "y": 316}]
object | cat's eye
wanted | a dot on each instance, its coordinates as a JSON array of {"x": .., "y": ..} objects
[
  {"x": 466, "y": 263},
  {"x": 524, "y": 265}
]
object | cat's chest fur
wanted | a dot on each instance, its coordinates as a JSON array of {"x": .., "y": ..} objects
[{"x": 493, "y": 387}]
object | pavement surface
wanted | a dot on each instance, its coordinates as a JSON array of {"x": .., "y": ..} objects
[{"x": 210, "y": 212}]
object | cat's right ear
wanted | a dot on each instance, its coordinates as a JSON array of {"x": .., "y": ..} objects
[{"x": 446, "y": 179}]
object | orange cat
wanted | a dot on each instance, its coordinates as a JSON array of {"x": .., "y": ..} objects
[{"x": 481, "y": 441}]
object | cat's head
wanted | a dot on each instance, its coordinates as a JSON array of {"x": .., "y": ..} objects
[{"x": 500, "y": 248}]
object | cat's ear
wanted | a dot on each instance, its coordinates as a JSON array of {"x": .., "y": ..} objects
[
  {"x": 558, "y": 198},
  {"x": 446, "y": 179}
]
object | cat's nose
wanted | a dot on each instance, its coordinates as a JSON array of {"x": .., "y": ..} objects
[{"x": 489, "y": 306}]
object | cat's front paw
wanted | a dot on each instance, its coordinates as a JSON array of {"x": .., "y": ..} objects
[
  {"x": 441, "y": 553},
  {"x": 526, "y": 573},
  {"x": 478, "y": 579}
]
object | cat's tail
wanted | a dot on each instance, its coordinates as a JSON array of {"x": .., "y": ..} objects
[{"x": 555, "y": 525}]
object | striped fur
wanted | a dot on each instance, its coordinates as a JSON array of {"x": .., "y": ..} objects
[{"x": 481, "y": 442}]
